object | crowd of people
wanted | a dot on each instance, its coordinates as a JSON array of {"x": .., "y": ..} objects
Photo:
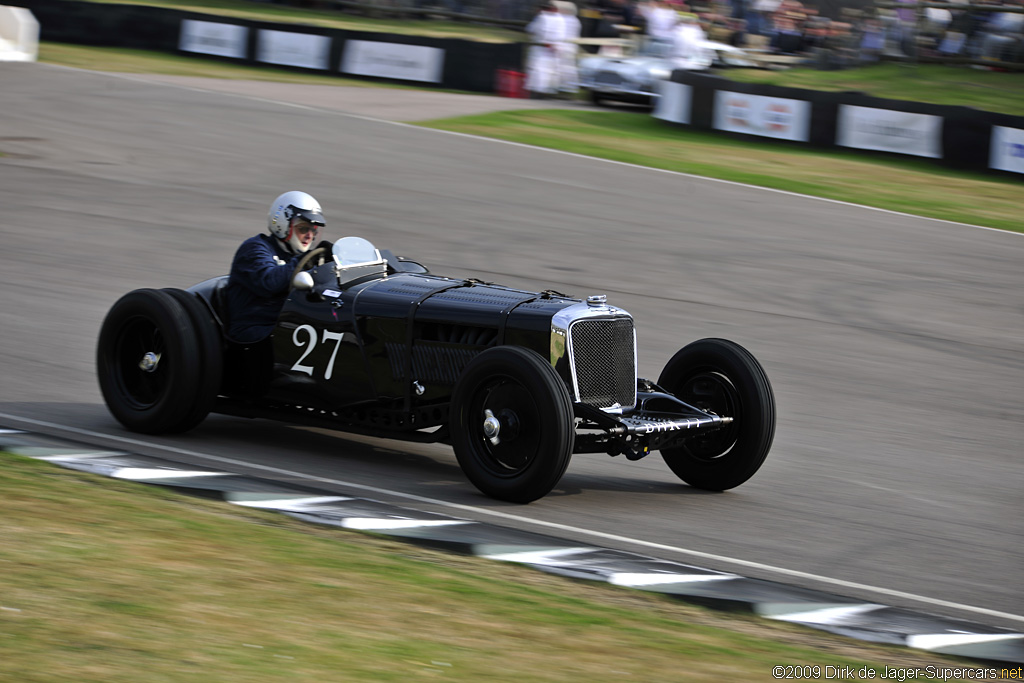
[
  {"x": 994, "y": 34},
  {"x": 982, "y": 30},
  {"x": 847, "y": 33}
]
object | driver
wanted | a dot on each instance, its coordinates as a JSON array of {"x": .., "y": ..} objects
[{"x": 262, "y": 270}]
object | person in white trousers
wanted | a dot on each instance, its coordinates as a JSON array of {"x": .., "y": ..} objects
[
  {"x": 546, "y": 31},
  {"x": 567, "y": 49},
  {"x": 688, "y": 51}
]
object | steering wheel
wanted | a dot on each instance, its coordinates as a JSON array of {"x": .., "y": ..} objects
[
  {"x": 307, "y": 259},
  {"x": 305, "y": 262}
]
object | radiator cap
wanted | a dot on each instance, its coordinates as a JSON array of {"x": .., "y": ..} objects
[{"x": 597, "y": 300}]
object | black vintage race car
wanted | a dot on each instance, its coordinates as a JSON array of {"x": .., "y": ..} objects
[{"x": 515, "y": 381}]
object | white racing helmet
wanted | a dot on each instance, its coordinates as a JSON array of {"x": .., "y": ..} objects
[{"x": 292, "y": 205}]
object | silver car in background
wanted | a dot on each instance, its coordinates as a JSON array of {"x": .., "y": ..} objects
[{"x": 635, "y": 67}]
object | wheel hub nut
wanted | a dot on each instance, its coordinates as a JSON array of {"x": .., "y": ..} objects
[
  {"x": 492, "y": 427},
  {"x": 149, "y": 362}
]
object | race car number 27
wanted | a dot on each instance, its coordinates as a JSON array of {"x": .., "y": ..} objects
[{"x": 305, "y": 335}]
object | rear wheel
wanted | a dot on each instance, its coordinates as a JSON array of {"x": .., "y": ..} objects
[
  {"x": 147, "y": 360},
  {"x": 722, "y": 377},
  {"x": 210, "y": 358},
  {"x": 512, "y": 424}
]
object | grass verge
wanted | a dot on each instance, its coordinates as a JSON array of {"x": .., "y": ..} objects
[
  {"x": 961, "y": 86},
  {"x": 111, "y": 581},
  {"x": 330, "y": 18},
  {"x": 909, "y": 186}
]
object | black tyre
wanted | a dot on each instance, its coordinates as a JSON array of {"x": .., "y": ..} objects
[
  {"x": 147, "y": 362},
  {"x": 512, "y": 424},
  {"x": 722, "y": 377},
  {"x": 596, "y": 98},
  {"x": 210, "y": 358}
]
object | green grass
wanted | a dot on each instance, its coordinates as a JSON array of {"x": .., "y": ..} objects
[
  {"x": 964, "y": 86},
  {"x": 329, "y": 18},
  {"x": 909, "y": 186},
  {"x": 110, "y": 581}
]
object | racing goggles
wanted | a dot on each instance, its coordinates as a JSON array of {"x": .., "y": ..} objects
[
  {"x": 305, "y": 222},
  {"x": 304, "y": 227}
]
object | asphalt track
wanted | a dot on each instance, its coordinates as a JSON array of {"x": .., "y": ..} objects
[{"x": 894, "y": 343}]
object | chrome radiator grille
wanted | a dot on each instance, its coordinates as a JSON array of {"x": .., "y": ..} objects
[
  {"x": 603, "y": 357},
  {"x": 608, "y": 78}
]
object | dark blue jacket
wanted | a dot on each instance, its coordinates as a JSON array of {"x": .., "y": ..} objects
[{"x": 257, "y": 288}]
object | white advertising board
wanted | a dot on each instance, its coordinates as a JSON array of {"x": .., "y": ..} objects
[
  {"x": 294, "y": 49},
  {"x": 771, "y": 117},
  {"x": 673, "y": 103},
  {"x": 886, "y": 130},
  {"x": 213, "y": 38},
  {"x": 19, "y": 35},
  {"x": 393, "y": 60},
  {"x": 1006, "y": 152}
]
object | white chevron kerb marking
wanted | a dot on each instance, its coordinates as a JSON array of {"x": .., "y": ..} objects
[
  {"x": 549, "y": 558},
  {"x": 935, "y": 641},
  {"x": 636, "y": 580},
  {"x": 290, "y": 504},
  {"x": 145, "y": 474},
  {"x": 383, "y": 524},
  {"x": 829, "y": 615},
  {"x": 85, "y": 455}
]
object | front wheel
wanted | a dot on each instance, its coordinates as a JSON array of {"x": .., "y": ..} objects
[
  {"x": 721, "y": 377},
  {"x": 512, "y": 424}
]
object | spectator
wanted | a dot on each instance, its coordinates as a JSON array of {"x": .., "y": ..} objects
[
  {"x": 872, "y": 41},
  {"x": 1000, "y": 34},
  {"x": 935, "y": 23},
  {"x": 960, "y": 26},
  {"x": 661, "y": 21},
  {"x": 619, "y": 12},
  {"x": 546, "y": 30},
  {"x": 736, "y": 33},
  {"x": 740, "y": 9},
  {"x": 787, "y": 39},
  {"x": 567, "y": 48},
  {"x": 900, "y": 29},
  {"x": 688, "y": 51},
  {"x": 760, "y": 21}
]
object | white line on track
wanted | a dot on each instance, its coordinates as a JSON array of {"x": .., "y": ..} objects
[
  {"x": 781, "y": 571},
  {"x": 413, "y": 126}
]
